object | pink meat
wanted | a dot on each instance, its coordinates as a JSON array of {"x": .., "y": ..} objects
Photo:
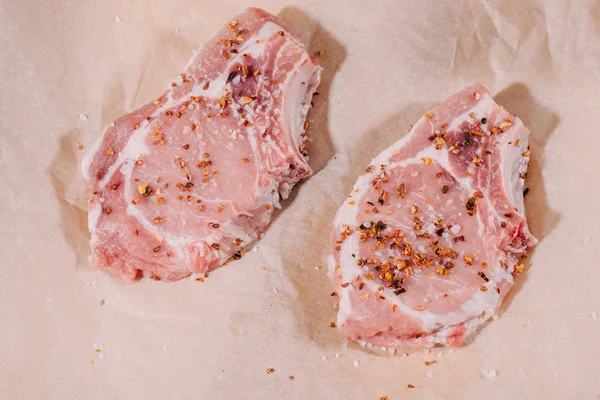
[
  {"x": 426, "y": 246},
  {"x": 188, "y": 180}
]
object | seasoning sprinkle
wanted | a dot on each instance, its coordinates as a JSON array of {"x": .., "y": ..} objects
[
  {"x": 144, "y": 189},
  {"x": 519, "y": 268},
  {"x": 401, "y": 191},
  {"x": 482, "y": 275}
]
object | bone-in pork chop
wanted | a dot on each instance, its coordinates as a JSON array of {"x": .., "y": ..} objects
[
  {"x": 427, "y": 244},
  {"x": 188, "y": 180}
]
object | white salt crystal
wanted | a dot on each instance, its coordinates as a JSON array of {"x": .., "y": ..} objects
[{"x": 491, "y": 373}]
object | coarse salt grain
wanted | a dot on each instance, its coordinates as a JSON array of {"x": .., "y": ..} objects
[
  {"x": 356, "y": 363},
  {"x": 489, "y": 373},
  {"x": 84, "y": 117},
  {"x": 101, "y": 356},
  {"x": 337, "y": 355},
  {"x": 429, "y": 374},
  {"x": 392, "y": 351},
  {"x": 324, "y": 358},
  {"x": 594, "y": 315},
  {"x": 118, "y": 19},
  {"x": 450, "y": 351}
]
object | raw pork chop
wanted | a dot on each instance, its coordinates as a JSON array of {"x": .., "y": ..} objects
[
  {"x": 185, "y": 182},
  {"x": 427, "y": 244}
]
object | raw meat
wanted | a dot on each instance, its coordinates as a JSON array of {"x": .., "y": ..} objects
[
  {"x": 188, "y": 180},
  {"x": 426, "y": 246}
]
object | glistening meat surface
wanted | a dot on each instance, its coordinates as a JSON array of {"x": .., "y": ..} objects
[
  {"x": 188, "y": 180},
  {"x": 427, "y": 244}
]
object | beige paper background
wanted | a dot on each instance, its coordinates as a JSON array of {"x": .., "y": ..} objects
[{"x": 385, "y": 64}]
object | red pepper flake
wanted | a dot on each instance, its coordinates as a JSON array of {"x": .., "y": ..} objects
[
  {"x": 292, "y": 377},
  {"x": 158, "y": 220},
  {"x": 157, "y": 249},
  {"x": 109, "y": 152},
  {"x": 410, "y": 386},
  {"x": 281, "y": 33},
  {"x": 410, "y": 128},
  {"x": 519, "y": 268},
  {"x": 136, "y": 126},
  {"x": 429, "y": 116},
  {"x": 270, "y": 370},
  {"x": 216, "y": 246},
  {"x": 186, "y": 146},
  {"x": 332, "y": 325},
  {"x": 401, "y": 191},
  {"x": 80, "y": 146},
  {"x": 199, "y": 279},
  {"x": 428, "y": 363},
  {"x": 107, "y": 210},
  {"x": 471, "y": 206}
]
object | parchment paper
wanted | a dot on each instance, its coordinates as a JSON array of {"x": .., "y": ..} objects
[{"x": 68, "y": 68}]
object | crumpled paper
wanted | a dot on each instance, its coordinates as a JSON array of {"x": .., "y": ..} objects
[{"x": 70, "y": 331}]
